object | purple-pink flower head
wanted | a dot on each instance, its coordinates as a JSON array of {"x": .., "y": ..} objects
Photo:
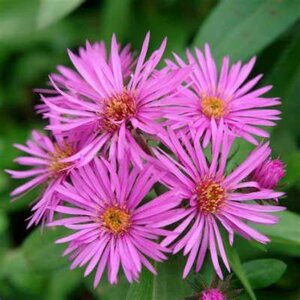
[
  {"x": 102, "y": 101},
  {"x": 74, "y": 83},
  {"x": 114, "y": 227},
  {"x": 269, "y": 173},
  {"x": 212, "y": 294},
  {"x": 215, "y": 197},
  {"x": 45, "y": 159},
  {"x": 224, "y": 95}
]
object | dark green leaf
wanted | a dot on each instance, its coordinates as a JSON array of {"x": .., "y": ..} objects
[
  {"x": 145, "y": 289},
  {"x": 244, "y": 29},
  {"x": 115, "y": 18},
  {"x": 264, "y": 272},
  {"x": 168, "y": 284},
  {"x": 238, "y": 269}
]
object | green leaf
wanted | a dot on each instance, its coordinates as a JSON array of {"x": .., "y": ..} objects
[
  {"x": 238, "y": 269},
  {"x": 168, "y": 284},
  {"x": 264, "y": 272},
  {"x": 244, "y": 29},
  {"x": 41, "y": 252},
  {"x": 16, "y": 270},
  {"x": 283, "y": 247},
  {"x": 145, "y": 289},
  {"x": 287, "y": 230},
  {"x": 50, "y": 11},
  {"x": 115, "y": 18}
]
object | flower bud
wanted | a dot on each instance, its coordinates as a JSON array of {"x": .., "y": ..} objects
[
  {"x": 269, "y": 173},
  {"x": 212, "y": 294}
]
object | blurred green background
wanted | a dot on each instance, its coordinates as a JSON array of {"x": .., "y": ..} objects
[{"x": 34, "y": 36}]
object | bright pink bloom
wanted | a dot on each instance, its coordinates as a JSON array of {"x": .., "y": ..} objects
[
  {"x": 212, "y": 294},
  {"x": 74, "y": 83},
  {"x": 214, "y": 196},
  {"x": 113, "y": 227},
  {"x": 223, "y": 95},
  {"x": 104, "y": 103},
  {"x": 269, "y": 173},
  {"x": 44, "y": 156}
]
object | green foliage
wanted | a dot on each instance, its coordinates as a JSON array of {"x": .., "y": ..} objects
[
  {"x": 34, "y": 35},
  {"x": 40, "y": 252},
  {"x": 51, "y": 11},
  {"x": 115, "y": 18},
  {"x": 168, "y": 284},
  {"x": 16, "y": 269},
  {"x": 286, "y": 232},
  {"x": 241, "y": 30},
  {"x": 239, "y": 271},
  {"x": 264, "y": 272}
]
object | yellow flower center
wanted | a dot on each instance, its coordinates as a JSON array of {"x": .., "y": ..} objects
[
  {"x": 56, "y": 165},
  {"x": 116, "y": 220},
  {"x": 213, "y": 107},
  {"x": 210, "y": 196},
  {"x": 117, "y": 109}
]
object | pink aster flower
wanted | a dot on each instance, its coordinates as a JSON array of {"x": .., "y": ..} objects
[
  {"x": 269, "y": 173},
  {"x": 112, "y": 226},
  {"x": 215, "y": 198},
  {"x": 45, "y": 157},
  {"x": 224, "y": 95},
  {"x": 71, "y": 81},
  {"x": 103, "y": 102}
]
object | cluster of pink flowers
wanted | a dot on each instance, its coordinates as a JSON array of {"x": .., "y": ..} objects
[{"x": 118, "y": 126}]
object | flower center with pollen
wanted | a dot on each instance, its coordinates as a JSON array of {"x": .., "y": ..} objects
[
  {"x": 213, "y": 107},
  {"x": 116, "y": 220},
  {"x": 56, "y": 165},
  {"x": 117, "y": 109},
  {"x": 210, "y": 196}
]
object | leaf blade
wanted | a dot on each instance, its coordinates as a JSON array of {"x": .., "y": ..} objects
[
  {"x": 244, "y": 30},
  {"x": 264, "y": 272},
  {"x": 51, "y": 11}
]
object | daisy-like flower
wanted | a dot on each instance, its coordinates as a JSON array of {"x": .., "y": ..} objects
[
  {"x": 74, "y": 83},
  {"x": 113, "y": 227},
  {"x": 269, "y": 173},
  {"x": 213, "y": 197},
  {"x": 111, "y": 108},
  {"x": 224, "y": 95},
  {"x": 44, "y": 157}
]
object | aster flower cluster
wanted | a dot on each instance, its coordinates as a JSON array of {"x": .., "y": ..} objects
[{"x": 97, "y": 165}]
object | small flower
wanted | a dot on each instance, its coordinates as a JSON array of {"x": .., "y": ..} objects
[
  {"x": 222, "y": 96},
  {"x": 107, "y": 105},
  {"x": 113, "y": 227},
  {"x": 212, "y": 294},
  {"x": 46, "y": 159},
  {"x": 214, "y": 198},
  {"x": 269, "y": 173},
  {"x": 217, "y": 290}
]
